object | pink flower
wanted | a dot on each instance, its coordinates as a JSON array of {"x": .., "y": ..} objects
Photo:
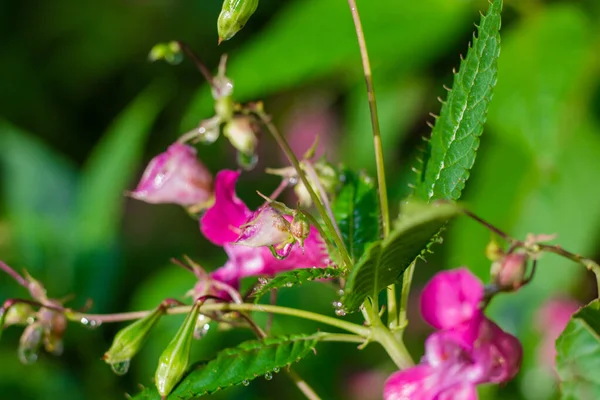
[
  {"x": 551, "y": 320},
  {"x": 175, "y": 176},
  {"x": 223, "y": 223},
  {"x": 451, "y": 298},
  {"x": 469, "y": 350}
]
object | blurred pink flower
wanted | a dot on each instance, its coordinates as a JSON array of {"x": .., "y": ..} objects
[
  {"x": 451, "y": 298},
  {"x": 175, "y": 176},
  {"x": 468, "y": 350},
  {"x": 551, "y": 319},
  {"x": 223, "y": 223},
  {"x": 365, "y": 385}
]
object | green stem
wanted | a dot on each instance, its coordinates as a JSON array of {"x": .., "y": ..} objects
[
  {"x": 338, "y": 337},
  {"x": 347, "y": 326},
  {"x": 294, "y": 160},
  {"x": 394, "y": 347},
  {"x": 304, "y": 387},
  {"x": 406, "y": 281},
  {"x": 310, "y": 170},
  {"x": 377, "y": 144}
]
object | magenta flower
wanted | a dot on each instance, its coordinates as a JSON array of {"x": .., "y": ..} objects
[
  {"x": 175, "y": 176},
  {"x": 451, "y": 298},
  {"x": 227, "y": 220},
  {"x": 468, "y": 350}
]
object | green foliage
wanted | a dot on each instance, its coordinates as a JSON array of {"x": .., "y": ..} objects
[
  {"x": 293, "y": 278},
  {"x": 241, "y": 364},
  {"x": 276, "y": 57},
  {"x": 578, "y": 355},
  {"x": 455, "y": 138},
  {"x": 356, "y": 210},
  {"x": 385, "y": 261}
]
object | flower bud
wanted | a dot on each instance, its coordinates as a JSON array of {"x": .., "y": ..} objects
[
  {"x": 240, "y": 133},
  {"x": 129, "y": 340},
  {"x": 174, "y": 360},
  {"x": 175, "y": 176},
  {"x": 266, "y": 227},
  {"x": 300, "y": 227},
  {"x": 170, "y": 52},
  {"x": 509, "y": 272},
  {"x": 16, "y": 314},
  {"x": 233, "y": 17},
  {"x": 30, "y": 343}
]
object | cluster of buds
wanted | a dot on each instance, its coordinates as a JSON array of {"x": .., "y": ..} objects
[
  {"x": 44, "y": 328},
  {"x": 468, "y": 349}
]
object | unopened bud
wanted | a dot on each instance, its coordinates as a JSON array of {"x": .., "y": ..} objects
[
  {"x": 174, "y": 360},
  {"x": 129, "y": 340},
  {"x": 300, "y": 228},
  {"x": 240, "y": 133},
  {"x": 493, "y": 251},
  {"x": 509, "y": 272},
  {"x": 170, "y": 52},
  {"x": 233, "y": 17},
  {"x": 17, "y": 314},
  {"x": 30, "y": 343},
  {"x": 266, "y": 227}
]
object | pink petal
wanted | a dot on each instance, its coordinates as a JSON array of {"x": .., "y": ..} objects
[
  {"x": 450, "y": 298},
  {"x": 410, "y": 384},
  {"x": 266, "y": 227},
  {"x": 220, "y": 223},
  {"x": 175, "y": 176},
  {"x": 464, "y": 391}
]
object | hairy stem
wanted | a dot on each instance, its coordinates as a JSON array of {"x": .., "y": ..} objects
[
  {"x": 14, "y": 274},
  {"x": 294, "y": 161},
  {"x": 377, "y": 144}
]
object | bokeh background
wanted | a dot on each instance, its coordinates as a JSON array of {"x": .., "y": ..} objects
[{"x": 82, "y": 111}]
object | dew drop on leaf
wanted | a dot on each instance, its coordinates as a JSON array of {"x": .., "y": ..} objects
[
  {"x": 276, "y": 370},
  {"x": 268, "y": 376},
  {"x": 245, "y": 382}
]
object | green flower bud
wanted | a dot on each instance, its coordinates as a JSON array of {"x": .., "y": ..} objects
[
  {"x": 129, "y": 340},
  {"x": 170, "y": 52},
  {"x": 240, "y": 133},
  {"x": 174, "y": 360},
  {"x": 233, "y": 17},
  {"x": 300, "y": 227}
]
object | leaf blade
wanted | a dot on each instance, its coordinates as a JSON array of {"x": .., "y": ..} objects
[
  {"x": 455, "y": 138},
  {"x": 578, "y": 355},
  {"x": 234, "y": 366},
  {"x": 294, "y": 278},
  {"x": 385, "y": 261}
]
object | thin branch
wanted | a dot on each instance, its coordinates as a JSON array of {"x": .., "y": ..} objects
[
  {"x": 14, "y": 274},
  {"x": 310, "y": 170},
  {"x": 187, "y": 50}
]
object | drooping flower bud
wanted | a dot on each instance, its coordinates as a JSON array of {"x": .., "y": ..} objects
[
  {"x": 129, "y": 340},
  {"x": 509, "y": 272},
  {"x": 55, "y": 325},
  {"x": 267, "y": 227},
  {"x": 16, "y": 314},
  {"x": 300, "y": 227},
  {"x": 30, "y": 343},
  {"x": 241, "y": 135},
  {"x": 170, "y": 52},
  {"x": 234, "y": 15},
  {"x": 174, "y": 360},
  {"x": 175, "y": 176}
]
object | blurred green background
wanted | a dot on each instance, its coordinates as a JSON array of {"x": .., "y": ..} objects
[{"x": 82, "y": 111}]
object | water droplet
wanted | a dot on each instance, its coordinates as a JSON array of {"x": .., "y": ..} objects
[
  {"x": 276, "y": 370},
  {"x": 120, "y": 368},
  {"x": 90, "y": 323},
  {"x": 341, "y": 292},
  {"x": 289, "y": 284},
  {"x": 268, "y": 376},
  {"x": 293, "y": 180},
  {"x": 245, "y": 382},
  {"x": 263, "y": 280},
  {"x": 340, "y": 312},
  {"x": 247, "y": 161},
  {"x": 28, "y": 356},
  {"x": 337, "y": 304}
]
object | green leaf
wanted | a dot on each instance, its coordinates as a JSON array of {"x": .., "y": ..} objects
[
  {"x": 385, "y": 261},
  {"x": 402, "y": 34},
  {"x": 578, "y": 355},
  {"x": 356, "y": 210},
  {"x": 455, "y": 137},
  {"x": 295, "y": 277},
  {"x": 240, "y": 364}
]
